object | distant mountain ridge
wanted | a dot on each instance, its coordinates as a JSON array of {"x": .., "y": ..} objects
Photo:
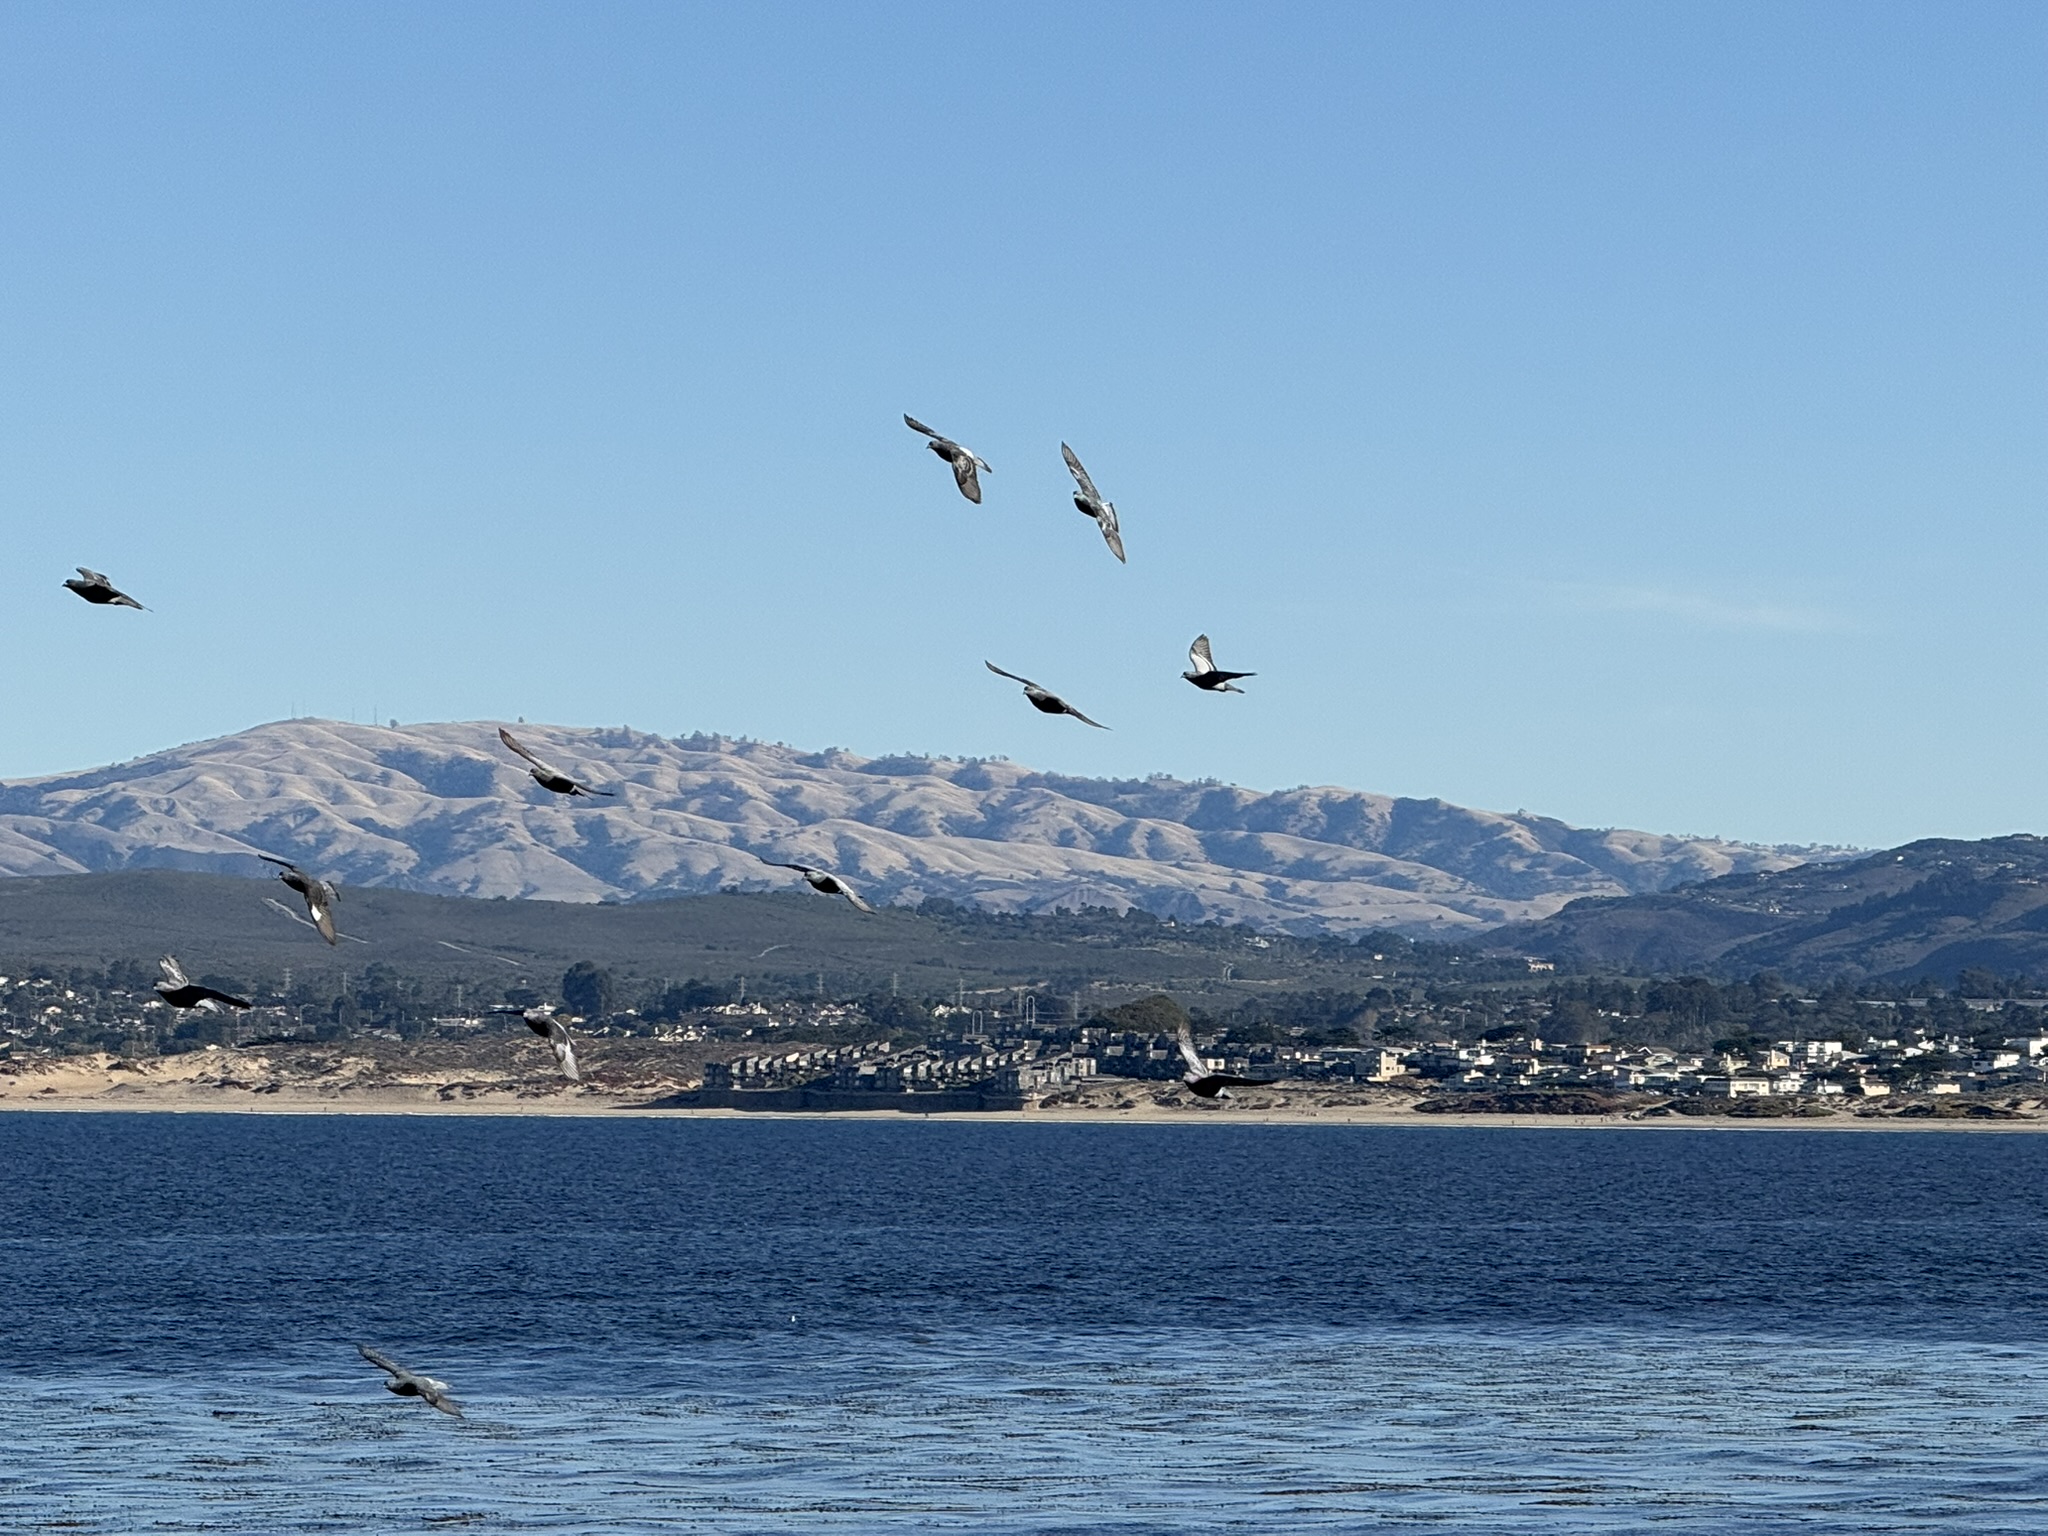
[
  {"x": 443, "y": 808},
  {"x": 1928, "y": 909}
]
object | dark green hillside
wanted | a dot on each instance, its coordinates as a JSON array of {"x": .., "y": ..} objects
[
  {"x": 780, "y": 942},
  {"x": 1930, "y": 909}
]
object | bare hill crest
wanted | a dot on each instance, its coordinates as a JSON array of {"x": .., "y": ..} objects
[{"x": 443, "y": 808}]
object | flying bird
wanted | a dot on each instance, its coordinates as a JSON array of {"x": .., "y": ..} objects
[
  {"x": 95, "y": 588},
  {"x": 181, "y": 992},
  {"x": 1203, "y": 1083},
  {"x": 320, "y": 894},
  {"x": 1090, "y": 501},
  {"x": 1203, "y": 672},
  {"x": 821, "y": 880},
  {"x": 542, "y": 1022},
  {"x": 406, "y": 1384},
  {"x": 964, "y": 460},
  {"x": 547, "y": 776},
  {"x": 1047, "y": 702}
]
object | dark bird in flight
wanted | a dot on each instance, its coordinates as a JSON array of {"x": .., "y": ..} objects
[
  {"x": 822, "y": 880},
  {"x": 964, "y": 460},
  {"x": 95, "y": 588},
  {"x": 406, "y": 1384},
  {"x": 546, "y": 776},
  {"x": 1203, "y": 1083},
  {"x": 542, "y": 1022},
  {"x": 320, "y": 894},
  {"x": 180, "y": 992},
  {"x": 1090, "y": 501},
  {"x": 1203, "y": 673},
  {"x": 1041, "y": 699}
]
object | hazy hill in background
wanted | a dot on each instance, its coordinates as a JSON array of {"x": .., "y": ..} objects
[
  {"x": 1928, "y": 909},
  {"x": 445, "y": 809}
]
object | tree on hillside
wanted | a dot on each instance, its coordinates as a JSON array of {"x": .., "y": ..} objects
[
  {"x": 588, "y": 990},
  {"x": 1154, "y": 1015}
]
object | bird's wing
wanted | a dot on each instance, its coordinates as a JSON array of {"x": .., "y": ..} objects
[
  {"x": 1013, "y": 677},
  {"x": 1225, "y": 1080},
  {"x": 323, "y": 918},
  {"x": 94, "y": 577},
  {"x": 1199, "y": 658},
  {"x": 382, "y": 1362},
  {"x": 1190, "y": 1055},
  {"x": 1079, "y": 474},
  {"x": 284, "y": 864},
  {"x": 589, "y": 791},
  {"x": 965, "y": 477},
  {"x": 564, "y": 1049},
  {"x": 438, "y": 1398},
  {"x": 173, "y": 973},
  {"x": 215, "y": 995},
  {"x": 1111, "y": 534},
  {"x": 1069, "y": 709},
  {"x": 513, "y": 742},
  {"x": 123, "y": 600},
  {"x": 853, "y": 896},
  {"x": 917, "y": 426}
]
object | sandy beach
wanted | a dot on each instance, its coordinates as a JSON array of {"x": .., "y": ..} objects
[{"x": 347, "y": 1080}]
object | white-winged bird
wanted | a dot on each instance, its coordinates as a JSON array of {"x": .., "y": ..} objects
[
  {"x": 95, "y": 588},
  {"x": 406, "y": 1384},
  {"x": 821, "y": 880},
  {"x": 1090, "y": 501},
  {"x": 542, "y": 1022},
  {"x": 964, "y": 460},
  {"x": 1203, "y": 673},
  {"x": 1043, "y": 699},
  {"x": 547, "y": 776},
  {"x": 1203, "y": 1083},
  {"x": 181, "y": 992},
  {"x": 320, "y": 895}
]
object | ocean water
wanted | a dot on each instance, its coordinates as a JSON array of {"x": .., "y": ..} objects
[{"x": 773, "y": 1326}]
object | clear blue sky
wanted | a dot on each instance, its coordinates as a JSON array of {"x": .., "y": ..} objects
[{"x": 1634, "y": 413}]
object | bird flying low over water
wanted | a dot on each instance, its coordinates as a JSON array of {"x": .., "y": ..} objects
[
  {"x": 95, "y": 588},
  {"x": 1090, "y": 501},
  {"x": 320, "y": 895},
  {"x": 547, "y": 776},
  {"x": 822, "y": 880},
  {"x": 1203, "y": 673},
  {"x": 964, "y": 460},
  {"x": 1203, "y": 1083},
  {"x": 181, "y": 992},
  {"x": 542, "y": 1022},
  {"x": 406, "y": 1384},
  {"x": 1044, "y": 700}
]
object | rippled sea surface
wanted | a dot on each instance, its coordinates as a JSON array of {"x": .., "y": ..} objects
[{"x": 1009, "y": 1327}]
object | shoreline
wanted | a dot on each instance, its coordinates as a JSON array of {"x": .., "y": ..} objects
[{"x": 594, "y": 1108}]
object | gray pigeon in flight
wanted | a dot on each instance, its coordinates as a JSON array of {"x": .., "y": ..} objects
[
  {"x": 964, "y": 460},
  {"x": 822, "y": 880},
  {"x": 95, "y": 588},
  {"x": 406, "y": 1384},
  {"x": 1043, "y": 700},
  {"x": 542, "y": 1022},
  {"x": 181, "y": 992},
  {"x": 546, "y": 776},
  {"x": 1090, "y": 501},
  {"x": 320, "y": 895},
  {"x": 1203, "y": 1083},
  {"x": 1203, "y": 673}
]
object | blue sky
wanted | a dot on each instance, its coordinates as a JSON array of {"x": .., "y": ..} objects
[{"x": 1637, "y": 414}]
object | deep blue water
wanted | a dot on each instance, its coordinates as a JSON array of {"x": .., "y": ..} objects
[{"x": 819, "y": 1325}]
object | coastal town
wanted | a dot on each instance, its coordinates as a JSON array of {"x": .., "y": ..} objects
[{"x": 1018, "y": 1048}]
